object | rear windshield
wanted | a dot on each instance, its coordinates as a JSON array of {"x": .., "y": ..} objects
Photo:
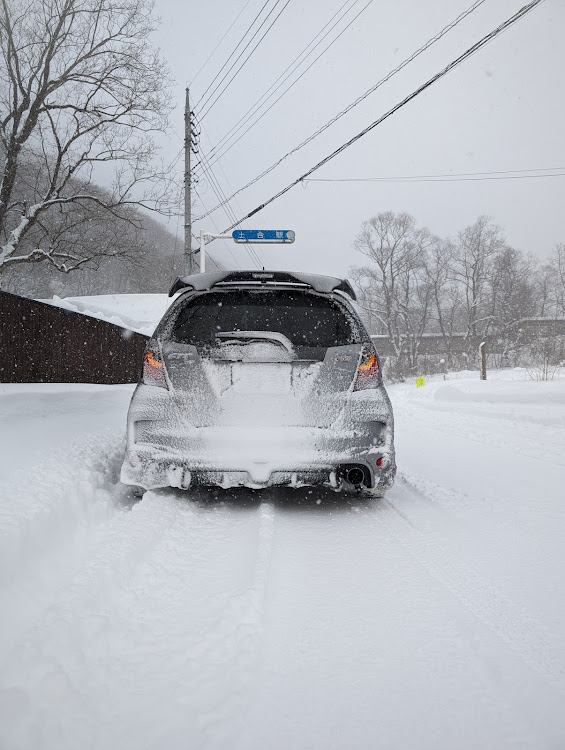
[{"x": 306, "y": 319}]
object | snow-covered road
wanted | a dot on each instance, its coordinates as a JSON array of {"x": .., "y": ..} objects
[{"x": 434, "y": 618}]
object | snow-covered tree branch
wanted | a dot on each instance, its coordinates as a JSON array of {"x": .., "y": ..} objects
[{"x": 82, "y": 92}]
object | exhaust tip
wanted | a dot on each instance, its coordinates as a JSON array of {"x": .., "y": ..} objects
[{"x": 355, "y": 475}]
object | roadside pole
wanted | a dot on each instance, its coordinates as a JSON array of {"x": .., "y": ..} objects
[
  {"x": 207, "y": 237},
  {"x": 483, "y": 354},
  {"x": 187, "y": 186},
  {"x": 202, "y": 252}
]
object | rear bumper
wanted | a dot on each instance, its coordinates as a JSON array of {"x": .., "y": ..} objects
[
  {"x": 257, "y": 458},
  {"x": 166, "y": 449}
]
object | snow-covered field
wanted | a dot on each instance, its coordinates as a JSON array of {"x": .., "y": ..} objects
[{"x": 434, "y": 618}]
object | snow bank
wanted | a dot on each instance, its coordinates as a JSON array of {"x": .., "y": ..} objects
[
  {"x": 506, "y": 394},
  {"x": 500, "y": 392}
]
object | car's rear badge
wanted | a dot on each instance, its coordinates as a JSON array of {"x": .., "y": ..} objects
[{"x": 343, "y": 358}]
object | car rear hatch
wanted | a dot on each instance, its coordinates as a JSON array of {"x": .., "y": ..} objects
[{"x": 277, "y": 357}]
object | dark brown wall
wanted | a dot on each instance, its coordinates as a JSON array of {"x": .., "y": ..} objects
[{"x": 40, "y": 343}]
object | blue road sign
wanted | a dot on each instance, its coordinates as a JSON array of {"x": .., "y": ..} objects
[{"x": 263, "y": 235}]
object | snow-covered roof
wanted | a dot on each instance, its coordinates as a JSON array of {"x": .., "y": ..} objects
[{"x": 137, "y": 312}]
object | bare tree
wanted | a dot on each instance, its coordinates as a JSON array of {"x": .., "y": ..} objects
[
  {"x": 512, "y": 288},
  {"x": 81, "y": 89},
  {"x": 544, "y": 280},
  {"x": 544, "y": 354},
  {"x": 555, "y": 270},
  {"x": 446, "y": 293},
  {"x": 477, "y": 286},
  {"x": 395, "y": 287},
  {"x": 512, "y": 298},
  {"x": 477, "y": 246}
]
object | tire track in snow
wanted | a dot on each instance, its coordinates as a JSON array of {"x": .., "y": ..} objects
[
  {"x": 160, "y": 628},
  {"x": 346, "y": 609},
  {"x": 49, "y": 519},
  {"x": 448, "y": 499},
  {"x": 541, "y": 650},
  {"x": 73, "y": 487},
  {"x": 247, "y": 611},
  {"x": 471, "y": 426}
]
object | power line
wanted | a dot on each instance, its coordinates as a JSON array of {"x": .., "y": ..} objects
[
  {"x": 218, "y": 190},
  {"x": 284, "y": 93},
  {"x": 246, "y": 59},
  {"x": 233, "y": 52},
  {"x": 216, "y": 186},
  {"x": 269, "y": 92},
  {"x": 218, "y": 231},
  {"x": 173, "y": 262},
  {"x": 254, "y": 252},
  {"x": 201, "y": 68},
  {"x": 478, "y": 45},
  {"x": 369, "y": 91},
  {"x": 274, "y": 88},
  {"x": 510, "y": 174}
]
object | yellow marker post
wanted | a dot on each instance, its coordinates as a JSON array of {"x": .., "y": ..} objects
[{"x": 420, "y": 382}]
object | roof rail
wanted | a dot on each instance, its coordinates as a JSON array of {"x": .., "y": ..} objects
[{"x": 206, "y": 281}]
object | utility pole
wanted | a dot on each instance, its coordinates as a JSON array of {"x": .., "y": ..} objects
[{"x": 187, "y": 180}]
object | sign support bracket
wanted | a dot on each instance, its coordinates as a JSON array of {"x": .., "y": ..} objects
[{"x": 246, "y": 236}]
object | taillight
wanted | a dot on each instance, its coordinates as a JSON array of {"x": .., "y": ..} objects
[
  {"x": 153, "y": 369},
  {"x": 369, "y": 370}
]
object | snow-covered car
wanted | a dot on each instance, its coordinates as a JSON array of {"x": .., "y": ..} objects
[{"x": 261, "y": 378}]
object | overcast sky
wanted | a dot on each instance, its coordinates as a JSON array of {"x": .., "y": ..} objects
[{"x": 500, "y": 111}]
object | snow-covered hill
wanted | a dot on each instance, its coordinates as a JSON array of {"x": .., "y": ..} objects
[{"x": 434, "y": 618}]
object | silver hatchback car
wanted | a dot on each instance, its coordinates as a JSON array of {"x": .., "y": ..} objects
[{"x": 261, "y": 378}]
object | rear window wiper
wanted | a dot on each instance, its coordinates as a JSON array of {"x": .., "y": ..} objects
[{"x": 275, "y": 336}]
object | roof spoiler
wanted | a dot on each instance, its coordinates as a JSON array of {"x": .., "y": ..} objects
[{"x": 206, "y": 281}]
